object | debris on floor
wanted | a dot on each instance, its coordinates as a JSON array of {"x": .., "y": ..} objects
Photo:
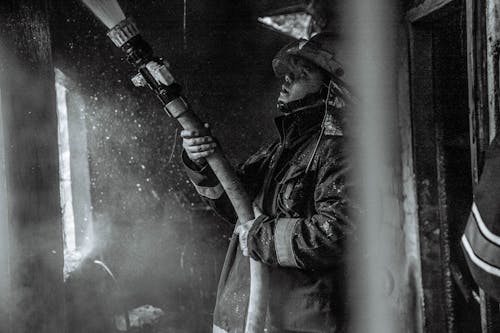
[{"x": 145, "y": 315}]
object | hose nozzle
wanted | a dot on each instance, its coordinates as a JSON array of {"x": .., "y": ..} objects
[
  {"x": 152, "y": 71},
  {"x": 126, "y": 36},
  {"x": 123, "y": 32}
]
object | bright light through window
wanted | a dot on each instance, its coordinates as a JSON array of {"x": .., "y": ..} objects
[
  {"x": 295, "y": 25},
  {"x": 65, "y": 168},
  {"x": 74, "y": 181}
]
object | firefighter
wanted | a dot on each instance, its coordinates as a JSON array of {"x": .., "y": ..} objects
[{"x": 301, "y": 199}]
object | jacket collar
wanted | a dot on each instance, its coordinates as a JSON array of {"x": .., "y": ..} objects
[{"x": 300, "y": 122}]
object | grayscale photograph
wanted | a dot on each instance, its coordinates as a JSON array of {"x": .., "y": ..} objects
[{"x": 264, "y": 166}]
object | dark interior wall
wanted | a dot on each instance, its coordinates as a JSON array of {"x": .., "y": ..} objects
[
  {"x": 154, "y": 233},
  {"x": 452, "y": 107}
]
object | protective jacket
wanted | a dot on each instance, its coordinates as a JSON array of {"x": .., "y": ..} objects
[{"x": 301, "y": 235}]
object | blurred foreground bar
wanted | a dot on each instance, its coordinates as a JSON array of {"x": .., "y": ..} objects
[
  {"x": 31, "y": 245},
  {"x": 381, "y": 300}
]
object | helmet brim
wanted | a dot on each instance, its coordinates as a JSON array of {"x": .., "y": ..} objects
[{"x": 307, "y": 50}]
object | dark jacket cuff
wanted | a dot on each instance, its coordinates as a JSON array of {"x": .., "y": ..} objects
[
  {"x": 270, "y": 240},
  {"x": 203, "y": 179},
  {"x": 259, "y": 242},
  {"x": 200, "y": 176}
]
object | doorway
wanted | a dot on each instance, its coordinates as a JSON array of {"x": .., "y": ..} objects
[{"x": 442, "y": 162}]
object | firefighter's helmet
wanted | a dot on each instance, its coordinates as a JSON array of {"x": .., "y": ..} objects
[{"x": 321, "y": 50}]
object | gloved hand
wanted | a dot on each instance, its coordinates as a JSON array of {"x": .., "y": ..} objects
[
  {"x": 198, "y": 145},
  {"x": 243, "y": 229}
]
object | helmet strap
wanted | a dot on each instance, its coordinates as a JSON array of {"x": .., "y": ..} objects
[
  {"x": 307, "y": 100},
  {"x": 327, "y": 97}
]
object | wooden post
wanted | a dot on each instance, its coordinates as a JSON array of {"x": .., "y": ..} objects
[
  {"x": 489, "y": 308},
  {"x": 30, "y": 222},
  {"x": 492, "y": 63},
  {"x": 412, "y": 268}
]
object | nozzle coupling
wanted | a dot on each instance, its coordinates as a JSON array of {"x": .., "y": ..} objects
[
  {"x": 126, "y": 36},
  {"x": 123, "y": 32}
]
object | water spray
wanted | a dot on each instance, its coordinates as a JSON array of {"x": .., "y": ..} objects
[{"x": 154, "y": 72}]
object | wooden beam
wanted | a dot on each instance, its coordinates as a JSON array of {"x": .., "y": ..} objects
[
  {"x": 477, "y": 91},
  {"x": 484, "y": 26},
  {"x": 414, "y": 319},
  {"x": 492, "y": 64},
  {"x": 264, "y": 7},
  {"x": 426, "y": 8}
]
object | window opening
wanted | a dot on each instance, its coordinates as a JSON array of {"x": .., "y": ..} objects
[
  {"x": 74, "y": 185},
  {"x": 296, "y": 25}
]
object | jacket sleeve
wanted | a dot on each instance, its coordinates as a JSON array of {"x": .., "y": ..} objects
[
  {"x": 314, "y": 242},
  {"x": 208, "y": 187}
]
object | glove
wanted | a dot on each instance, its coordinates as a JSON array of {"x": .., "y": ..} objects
[{"x": 243, "y": 229}]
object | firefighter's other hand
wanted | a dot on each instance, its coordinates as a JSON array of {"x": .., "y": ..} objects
[
  {"x": 243, "y": 229},
  {"x": 198, "y": 144}
]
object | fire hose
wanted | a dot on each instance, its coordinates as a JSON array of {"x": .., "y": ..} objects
[{"x": 154, "y": 73}]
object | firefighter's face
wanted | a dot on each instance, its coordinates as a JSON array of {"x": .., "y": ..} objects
[{"x": 299, "y": 82}]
